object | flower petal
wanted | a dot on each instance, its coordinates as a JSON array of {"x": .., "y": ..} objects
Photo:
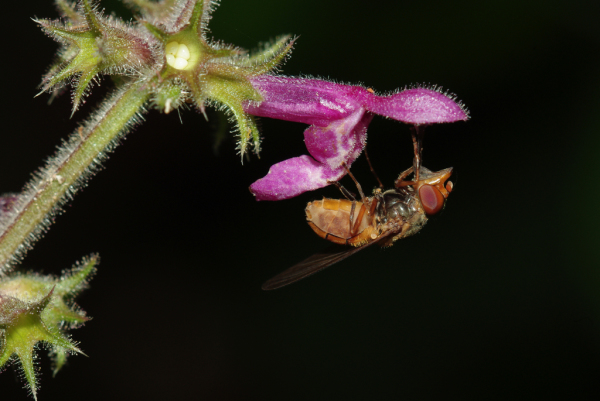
[
  {"x": 310, "y": 101},
  {"x": 418, "y": 106},
  {"x": 342, "y": 141},
  {"x": 294, "y": 176},
  {"x": 339, "y": 115}
]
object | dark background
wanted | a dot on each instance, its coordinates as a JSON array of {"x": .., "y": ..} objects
[{"x": 497, "y": 299}]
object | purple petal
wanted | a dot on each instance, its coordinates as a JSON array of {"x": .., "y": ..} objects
[
  {"x": 310, "y": 101},
  {"x": 292, "y": 177},
  {"x": 418, "y": 106},
  {"x": 339, "y": 115},
  {"x": 318, "y": 102},
  {"x": 342, "y": 141}
]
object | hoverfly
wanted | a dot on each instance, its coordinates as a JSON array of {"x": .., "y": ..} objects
[{"x": 382, "y": 219}]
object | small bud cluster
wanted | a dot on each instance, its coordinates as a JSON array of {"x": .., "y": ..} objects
[{"x": 178, "y": 55}]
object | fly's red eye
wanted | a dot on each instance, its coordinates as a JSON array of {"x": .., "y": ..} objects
[{"x": 431, "y": 199}]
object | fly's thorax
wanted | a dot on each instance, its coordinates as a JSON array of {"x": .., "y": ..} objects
[
  {"x": 400, "y": 211},
  {"x": 397, "y": 206}
]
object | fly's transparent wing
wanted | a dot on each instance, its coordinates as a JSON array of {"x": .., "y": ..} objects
[{"x": 315, "y": 263}]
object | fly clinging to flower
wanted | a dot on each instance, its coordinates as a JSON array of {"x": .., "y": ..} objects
[{"x": 383, "y": 218}]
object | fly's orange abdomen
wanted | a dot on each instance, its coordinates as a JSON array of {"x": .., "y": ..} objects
[{"x": 331, "y": 219}]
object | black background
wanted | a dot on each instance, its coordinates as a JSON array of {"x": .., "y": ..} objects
[{"x": 497, "y": 299}]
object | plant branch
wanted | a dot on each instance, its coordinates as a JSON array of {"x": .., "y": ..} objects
[{"x": 65, "y": 172}]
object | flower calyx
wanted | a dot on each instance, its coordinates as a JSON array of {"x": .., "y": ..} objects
[
  {"x": 92, "y": 45},
  {"x": 36, "y": 309},
  {"x": 207, "y": 72}
]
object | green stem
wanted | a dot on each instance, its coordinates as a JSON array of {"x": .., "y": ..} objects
[{"x": 66, "y": 171}]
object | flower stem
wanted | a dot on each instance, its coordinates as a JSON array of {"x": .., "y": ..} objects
[{"x": 65, "y": 172}]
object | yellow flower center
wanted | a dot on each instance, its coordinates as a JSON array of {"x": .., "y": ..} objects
[{"x": 178, "y": 55}]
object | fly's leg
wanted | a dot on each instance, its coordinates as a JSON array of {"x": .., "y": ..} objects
[
  {"x": 352, "y": 217},
  {"x": 361, "y": 214},
  {"x": 372, "y": 169},
  {"x": 364, "y": 200},
  {"x": 348, "y": 196},
  {"x": 401, "y": 180},
  {"x": 363, "y": 208},
  {"x": 417, "y": 138},
  {"x": 373, "y": 205},
  {"x": 343, "y": 190},
  {"x": 360, "y": 191}
]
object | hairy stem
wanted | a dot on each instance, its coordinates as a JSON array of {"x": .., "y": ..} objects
[{"x": 66, "y": 171}]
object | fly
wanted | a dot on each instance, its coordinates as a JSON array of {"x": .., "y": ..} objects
[{"x": 382, "y": 219}]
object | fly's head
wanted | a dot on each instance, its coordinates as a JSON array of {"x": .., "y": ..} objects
[{"x": 432, "y": 189}]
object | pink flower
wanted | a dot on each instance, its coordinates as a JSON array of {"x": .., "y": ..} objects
[{"x": 338, "y": 116}]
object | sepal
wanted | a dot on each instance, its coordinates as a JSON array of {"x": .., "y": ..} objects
[
  {"x": 68, "y": 10},
  {"x": 92, "y": 45},
  {"x": 152, "y": 10},
  {"x": 38, "y": 309},
  {"x": 271, "y": 56}
]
